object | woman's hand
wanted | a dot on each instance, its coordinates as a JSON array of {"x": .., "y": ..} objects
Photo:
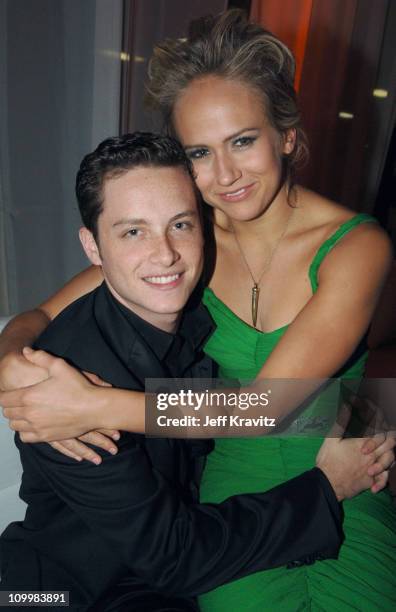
[
  {"x": 355, "y": 464},
  {"x": 16, "y": 372},
  {"x": 65, "y": 405},
  {"x": 384, "y": 447},
  {"x": 77, "y": 448}
]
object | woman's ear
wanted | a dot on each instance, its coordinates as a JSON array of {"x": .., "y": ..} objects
[
  {"x": 90, "y": 246},
  {"x": 289, "y": 141}
]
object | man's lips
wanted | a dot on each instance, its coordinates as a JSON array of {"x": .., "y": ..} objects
[
  {"x": 237, "y": 194},
  {"x": 164, "y": 281}
]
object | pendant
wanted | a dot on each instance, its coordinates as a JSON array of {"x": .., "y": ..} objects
[{"x": 255, "y": 299}]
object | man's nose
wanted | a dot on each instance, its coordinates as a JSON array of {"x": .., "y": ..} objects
[
  {"x": 227, "y": 172},
  {"x": 164, "y": 251}
]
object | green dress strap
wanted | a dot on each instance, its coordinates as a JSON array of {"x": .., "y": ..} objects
[{"x": 328, "y": 245}]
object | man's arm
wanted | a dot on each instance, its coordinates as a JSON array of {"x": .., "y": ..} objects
[{"x": 191, "y": 548}]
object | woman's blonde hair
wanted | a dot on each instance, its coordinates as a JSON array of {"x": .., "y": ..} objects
[{"x": 231, "y": 47}]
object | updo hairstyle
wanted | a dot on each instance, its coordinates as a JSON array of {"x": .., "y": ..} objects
[{"x": 230, "y": 47}]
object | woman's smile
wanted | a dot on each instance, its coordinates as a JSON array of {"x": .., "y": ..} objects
[{"x": 238, "y": 195}]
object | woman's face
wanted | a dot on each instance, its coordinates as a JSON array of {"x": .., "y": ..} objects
[{"x": 237, "y": 155}]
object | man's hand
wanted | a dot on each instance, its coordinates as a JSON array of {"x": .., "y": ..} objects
[
  {"x": 62, "y": 406},
  {"x": 351, "y": 469},
  {"x": 16, "y": 371}
]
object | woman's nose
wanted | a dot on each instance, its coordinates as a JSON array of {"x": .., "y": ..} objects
[{"x": 226, "y": 170}]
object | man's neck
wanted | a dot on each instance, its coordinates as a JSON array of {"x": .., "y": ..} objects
[{"x": 165, "y": 322}]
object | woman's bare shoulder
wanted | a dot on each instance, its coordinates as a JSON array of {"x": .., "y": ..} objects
[
  {"x": 319, "y": 211},
  {"x": 322, "y": 213},
  {"x": 365, "y": 245}
]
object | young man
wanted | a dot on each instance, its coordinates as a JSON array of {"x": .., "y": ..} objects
[{"x": 130, "y": 534}]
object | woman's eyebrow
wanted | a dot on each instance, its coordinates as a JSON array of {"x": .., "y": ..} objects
[
  {"x": 227, "y": 139},
  {"x": 240, "y": 132}
]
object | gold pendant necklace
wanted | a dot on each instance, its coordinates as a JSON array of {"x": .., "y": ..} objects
[
  {"x": 255, "y": 299},
  {"x": 256, "y": 284}
]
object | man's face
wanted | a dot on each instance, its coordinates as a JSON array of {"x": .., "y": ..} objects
[{"x": 150, "y": 243}]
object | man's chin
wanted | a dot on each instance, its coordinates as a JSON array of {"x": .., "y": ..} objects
[
  {"x": 168, "y": 310},
  {"x": 157, "y": 309}
]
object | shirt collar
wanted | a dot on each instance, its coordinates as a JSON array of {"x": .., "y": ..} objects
[{"x": 195, "y": 326}]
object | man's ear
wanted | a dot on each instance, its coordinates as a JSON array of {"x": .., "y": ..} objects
[
  {"x": 289, "y": 141},
  {"x": 90, "y": 246}
]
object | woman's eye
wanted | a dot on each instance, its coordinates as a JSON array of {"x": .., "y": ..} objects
[
  {"x": 183, "y": 225},
  {"x": 197, "y": 153},
  {"x": 244, "y": 141}
]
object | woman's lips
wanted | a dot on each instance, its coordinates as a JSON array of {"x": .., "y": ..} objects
[{"x": 237, "y": 194}]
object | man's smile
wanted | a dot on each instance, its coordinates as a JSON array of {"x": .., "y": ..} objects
[{"x": 168, "y": 280}]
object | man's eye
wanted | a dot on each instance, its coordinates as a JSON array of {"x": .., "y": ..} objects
[
  {"x": 197, "y": 153},
  {"x": 243, "y": 141},
  {"x": 132, "y": 232}
]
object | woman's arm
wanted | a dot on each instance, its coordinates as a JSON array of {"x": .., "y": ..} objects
[
  {"x": 15, "y": 370},
  {"x": 97, "y": 408},
  {"x": 67, "y": 404},
  {"x": 315, "y": 346},
  {"x": 79, "y": 285},
  {"x": 329, "y": 328},
  {"x": 24, "y": 329},
  {"x": 321, "y": 338}
]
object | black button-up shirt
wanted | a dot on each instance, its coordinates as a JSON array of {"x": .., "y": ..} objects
[{"x": 87, "y": 527}]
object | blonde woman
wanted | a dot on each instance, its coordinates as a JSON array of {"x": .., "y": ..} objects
[{"x": 295, "y": 282}]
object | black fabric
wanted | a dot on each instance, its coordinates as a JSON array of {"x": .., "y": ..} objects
[
  {"x": 176, "y": 352},
  {"x": 133, "y": 525},
  {"x": 160, "y": 341},
  {"x": 125, "y": 597}
]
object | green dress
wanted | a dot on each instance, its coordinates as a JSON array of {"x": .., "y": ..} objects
[{"x": 364, "y": 576}]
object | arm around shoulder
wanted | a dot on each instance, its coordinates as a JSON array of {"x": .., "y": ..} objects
[
  {"x": 24, "y": 329},
  {"x": 79, "y": 285}
]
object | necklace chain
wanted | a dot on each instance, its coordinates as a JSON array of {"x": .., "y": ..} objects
[{"x": 256, "y": 283}]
